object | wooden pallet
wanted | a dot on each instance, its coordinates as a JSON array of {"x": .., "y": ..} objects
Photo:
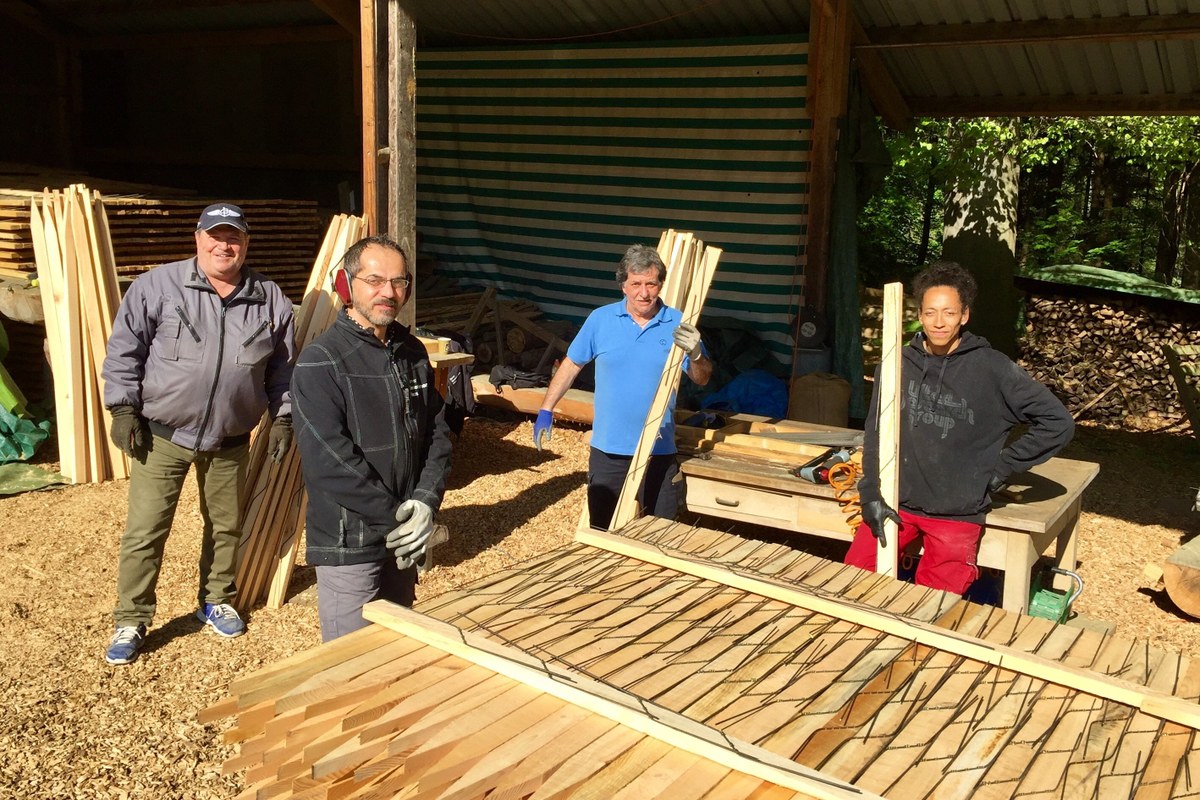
[{"x": 867, "y": 685}]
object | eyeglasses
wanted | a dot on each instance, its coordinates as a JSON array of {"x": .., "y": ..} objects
[{"x": 376, "y": 282}]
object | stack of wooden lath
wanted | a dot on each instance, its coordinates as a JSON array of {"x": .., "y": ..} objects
[
  {"x": 686, "y": 654},
  {"x": 274, "y": 503},
  {"x": 147, "y": 232},
  {"x": 78, "y": 283}
]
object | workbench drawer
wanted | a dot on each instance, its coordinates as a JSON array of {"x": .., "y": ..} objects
[{"x": 793, "y": 512}]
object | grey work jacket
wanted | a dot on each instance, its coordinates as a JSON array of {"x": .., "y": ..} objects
[{"x": 204, "y": 368}]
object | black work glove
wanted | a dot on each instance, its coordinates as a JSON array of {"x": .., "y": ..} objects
[
  {"x": 997, "y": 484},
  {"x": 874, "y": 513},
  {"x": 129, "y": 431},
  {"x": 279, "y": 439}
]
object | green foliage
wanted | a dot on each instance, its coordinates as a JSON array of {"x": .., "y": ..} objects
[{"x": 1098, "y": 191}]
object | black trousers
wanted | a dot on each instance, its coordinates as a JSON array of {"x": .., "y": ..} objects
[{"x": 660, "y": 494}]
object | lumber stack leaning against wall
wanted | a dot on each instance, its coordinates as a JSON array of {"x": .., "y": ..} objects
[
  {"x": 275, "y": 501},
  {"x": 77, "y": 277}
]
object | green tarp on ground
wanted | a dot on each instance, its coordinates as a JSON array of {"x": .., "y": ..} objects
[{"x": 17, "y": 478}]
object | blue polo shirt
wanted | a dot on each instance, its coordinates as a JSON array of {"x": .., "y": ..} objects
[{"x": 629, "y": 361}]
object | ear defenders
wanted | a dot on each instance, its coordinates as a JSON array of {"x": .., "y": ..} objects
[{"x": 341, "y": 285}]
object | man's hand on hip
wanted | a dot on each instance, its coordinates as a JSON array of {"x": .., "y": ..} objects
[
  {"x": 407, "y": 540},
  {"x": 687, "y": 339},
  {"x": 280, "y": 438},
  {"x": 129, "y": 431},
  {"x": 542, "y": 427},
  {"x": 875, "y": 513}
]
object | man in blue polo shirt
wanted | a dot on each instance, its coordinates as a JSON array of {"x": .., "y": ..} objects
[{"x": 629, "y": 341}]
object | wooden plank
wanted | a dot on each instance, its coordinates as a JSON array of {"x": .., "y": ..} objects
[
  {"x": 667, "y": 726},
  {"x": 692, "y": 257},
  {"x": 1107, "y": 687},
  {"x": 888, "y": 551}
]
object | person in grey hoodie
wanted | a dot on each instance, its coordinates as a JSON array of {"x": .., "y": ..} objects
[
  {"x": 959, "y": 401},
  {"x": 200, "y": 348}
]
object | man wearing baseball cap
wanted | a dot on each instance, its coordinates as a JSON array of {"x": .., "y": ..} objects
[{"x": 200, "y": 348}]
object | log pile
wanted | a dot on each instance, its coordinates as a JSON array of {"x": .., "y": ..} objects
[
  {"x": 77, "y": 279},
  {"x": 1104, "y": 360},
  {"x": 147, "y": 232},
  {"x": 275, "y": 500}
]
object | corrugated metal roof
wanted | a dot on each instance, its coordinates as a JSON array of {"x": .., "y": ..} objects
[{"x": 1112, "y": 75}]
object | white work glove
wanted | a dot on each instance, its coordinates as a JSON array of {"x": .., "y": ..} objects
[
  {"x": 687, "y": 339},
  {"x": 408, "y": 540}
]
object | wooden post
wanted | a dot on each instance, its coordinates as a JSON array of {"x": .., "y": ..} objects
[
  {"x": 888, "y": 556},
  {"x": 370, "y": 136},
  {"x": 828, "y": 83},
  {"x": 401, "y": 178}
]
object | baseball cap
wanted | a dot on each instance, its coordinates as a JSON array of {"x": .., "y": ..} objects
[{"x": 222, "y": 214}]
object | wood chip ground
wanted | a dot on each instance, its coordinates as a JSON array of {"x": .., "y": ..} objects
[{"x": 73, "y": 727}]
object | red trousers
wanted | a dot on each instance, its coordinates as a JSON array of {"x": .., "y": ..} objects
[{"x": 950, "y": 547}]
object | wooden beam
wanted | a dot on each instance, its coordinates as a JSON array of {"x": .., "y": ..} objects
[
  {"x": 245, "y": 37},
  {"x": 828, "y": 84},
  {"x": 370, "y": 131},
  {"x": 1156, "y": 27},
  {"x": 343, "y": 12},
  {"x": 399, "y": 181},
  {"x": 877, "y": 80},
  {"x": 33, "y": 19},
  {"x": 1057, "y": 105},
  {"x": 183, "y": 157},
  {"x": 888, "y": 449},
  {"x": 1148, "y": 701},
  {"x": 609, "y": 701}
]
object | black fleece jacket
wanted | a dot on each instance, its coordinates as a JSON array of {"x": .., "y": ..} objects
[
  {"x": 956, "y": 413},
  {"x": 371, "y": 430}
]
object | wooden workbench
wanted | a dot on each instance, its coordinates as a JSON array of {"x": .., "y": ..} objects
[{"x": 1041, "y": 509}]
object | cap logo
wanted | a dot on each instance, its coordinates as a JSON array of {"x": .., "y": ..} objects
[{"x": 223, "y": 212}]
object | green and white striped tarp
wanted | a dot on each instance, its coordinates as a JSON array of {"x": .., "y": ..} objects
[{"x": 538, "y": 166}]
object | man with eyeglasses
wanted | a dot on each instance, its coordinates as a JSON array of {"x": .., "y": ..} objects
[
  {"x": 373, "y": 440},
  {"x": 960, "y": 399},
  {"x": 200, "y": 348}
]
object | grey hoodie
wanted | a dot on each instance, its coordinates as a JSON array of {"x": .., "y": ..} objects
[{"x": 205, "y": 368}]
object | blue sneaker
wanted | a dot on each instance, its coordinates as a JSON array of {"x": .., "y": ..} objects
[
  {"x": 222, "y": 618},
  {"x": 126, "y": 642}
]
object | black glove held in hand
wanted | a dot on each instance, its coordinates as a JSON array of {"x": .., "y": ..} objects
[
  {"x": 874, "y": 513},
  {"x": 280, "y": 438},
  {"x": 129, "y": 431}
]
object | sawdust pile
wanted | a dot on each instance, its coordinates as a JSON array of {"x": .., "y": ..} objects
[{"x": 73, "y": 727}]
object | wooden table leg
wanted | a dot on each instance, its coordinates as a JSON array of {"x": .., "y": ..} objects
[
  {"x": 1067, "y": 546},
  {"x": 1019, "y": 557}
]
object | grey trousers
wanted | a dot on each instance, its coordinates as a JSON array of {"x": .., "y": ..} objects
[
  {"x": 154, "y": 486},
  {"x": 343, "y": 590}
]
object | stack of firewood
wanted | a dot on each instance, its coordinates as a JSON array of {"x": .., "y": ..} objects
[{"x": 1104, "y": 359}]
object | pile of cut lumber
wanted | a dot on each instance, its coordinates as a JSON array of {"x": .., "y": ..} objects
[
  {"x": 147, "y": 232},
  {"x": 510, "y": 332},
  {"x": 78, "y": 282},
  {"x": 275, "y": 500}
]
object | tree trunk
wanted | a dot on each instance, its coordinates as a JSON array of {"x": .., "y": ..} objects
[
  {"x": 1190, "y": 277},
  {"x": 1167, "y": 254},
  {"x": 981, "y": 208}
]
